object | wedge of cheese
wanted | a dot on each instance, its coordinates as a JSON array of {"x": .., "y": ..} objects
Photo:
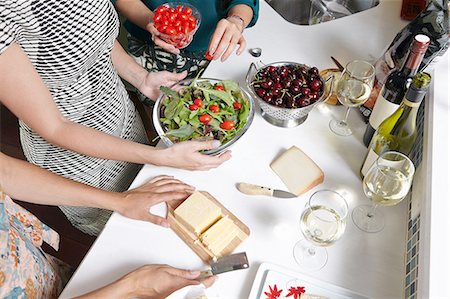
[
  {"x": 298, "y": 171},
  {"x": 218, "y": 236},
  {"x": 197, "y": 213}
]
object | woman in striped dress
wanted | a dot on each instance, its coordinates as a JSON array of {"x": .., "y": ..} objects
[{"x": 65, "y": 52}]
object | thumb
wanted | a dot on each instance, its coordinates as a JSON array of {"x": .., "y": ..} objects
[
  {"x": 181, "y": 76},
  {"x": 158, "y": 220}
]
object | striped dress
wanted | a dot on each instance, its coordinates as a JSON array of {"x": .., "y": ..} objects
[{"x": 69, "y": 43}]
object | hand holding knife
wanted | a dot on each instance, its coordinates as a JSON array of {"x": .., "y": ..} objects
[{"x": 228, "y": 263}]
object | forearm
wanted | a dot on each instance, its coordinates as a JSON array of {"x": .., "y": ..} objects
[
  {"x": 126, "y": 67},
  {"x": 25, "y": 94},
  {"x": 30, "y": 183},
  {"x": 117, "y": 289},
  {"x": 135, "y": 11},
  {"x": 243, "y": 11},
  {"x": 94, "y": 143}
]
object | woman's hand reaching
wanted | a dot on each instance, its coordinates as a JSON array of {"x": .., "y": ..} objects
[
  {"x": 187, "y": 155},
  {"x": 226, "y": 37},
  {"x": 137, "y": 202},
  {"x": 151, "y": 282},
  {"x": 152, "y": 81}
]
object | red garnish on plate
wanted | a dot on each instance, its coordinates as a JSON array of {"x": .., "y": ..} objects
[
  {"x": 296, "y": 292},
  {"x": 274, "y": 293}
]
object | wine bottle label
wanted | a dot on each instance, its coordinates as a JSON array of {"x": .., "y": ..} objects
[
  {"x": 382, "y": 110},
  {"x": 370, "y": 159}
]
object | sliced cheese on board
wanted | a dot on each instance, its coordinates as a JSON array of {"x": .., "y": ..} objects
[
  {"x": 218, "y": 236},
  {"x": 297, "y": 171},
  {"x": 197, "y": 213}
]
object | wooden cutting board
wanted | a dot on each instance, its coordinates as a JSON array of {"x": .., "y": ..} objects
[{"x": 194, "y": 243}]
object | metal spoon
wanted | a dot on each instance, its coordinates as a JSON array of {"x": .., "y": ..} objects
[{"x": 255, "y": 52}]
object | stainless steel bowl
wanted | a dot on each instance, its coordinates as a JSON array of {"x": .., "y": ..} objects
[
  {"x": 278, "y": 116},
  {"x": 161, "y": 129}
]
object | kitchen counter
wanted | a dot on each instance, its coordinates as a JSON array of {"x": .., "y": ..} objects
[{"x": 370, "y": 264}]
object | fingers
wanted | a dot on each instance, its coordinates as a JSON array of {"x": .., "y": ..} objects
[
  {"x": 225, "y": 39},
  {"x": 207, "y": 282},
  {"x": 205, "y": 145},
  {"x": 216, "y": 38},
  {"x": 158, "y": 178},
  {"x": 242, "y": 45},
  {"x": 168, "y": 47},
  {"x": 157, "y": 220}
]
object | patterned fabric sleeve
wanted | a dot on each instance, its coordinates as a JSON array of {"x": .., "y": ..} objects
[
  {"x": 254, "y": 4},
  {"x": 7, "y": 28}
]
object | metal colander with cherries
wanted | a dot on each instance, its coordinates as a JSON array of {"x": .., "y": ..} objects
[{"x": 289, "y": 85}]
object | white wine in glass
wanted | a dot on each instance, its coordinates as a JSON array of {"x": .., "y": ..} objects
[
  {"x": 322, "y": 223},
  {"x": 353, "y": 89},
  {"x": 386, "y": 183}
]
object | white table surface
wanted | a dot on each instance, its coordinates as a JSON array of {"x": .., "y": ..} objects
[{"x": 371, "y": 264}]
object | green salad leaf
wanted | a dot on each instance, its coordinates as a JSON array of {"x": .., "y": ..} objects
[{"x": 183, "y": 122}]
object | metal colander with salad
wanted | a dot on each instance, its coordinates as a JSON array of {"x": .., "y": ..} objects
[{"x": 203, "y": 109}]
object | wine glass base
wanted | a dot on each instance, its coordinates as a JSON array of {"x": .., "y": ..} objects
[
  {"x": 370, "y": 224},
  {"x": 339, "y": 127},
  {"x": 309, "y": 257}
]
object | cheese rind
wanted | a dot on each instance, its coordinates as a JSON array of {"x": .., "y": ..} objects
[
  {"x": 197, "y": 213},
  {"x": 297, "y": 171}
]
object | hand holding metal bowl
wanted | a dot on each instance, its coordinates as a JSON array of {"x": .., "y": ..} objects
[
  {"x": 286, "y": 91},
  {"x": 203, "y": 109}
]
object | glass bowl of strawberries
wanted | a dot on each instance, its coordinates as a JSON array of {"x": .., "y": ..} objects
[{"x": 177, "y": 23}]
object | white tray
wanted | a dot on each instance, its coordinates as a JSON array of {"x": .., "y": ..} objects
[{"x": 270, "y": 274}]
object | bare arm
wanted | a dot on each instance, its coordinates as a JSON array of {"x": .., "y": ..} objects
[
  {"x": 150, "y": 281},
  {"x": 25, "y": 94},
  {"x": 135, "y": 11},
  {"x": 30, "y": 183}
]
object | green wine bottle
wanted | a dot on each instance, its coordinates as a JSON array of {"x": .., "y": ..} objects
[{"x": 398, "y": 132}]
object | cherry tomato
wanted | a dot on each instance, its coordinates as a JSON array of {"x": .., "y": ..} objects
[
  {"x": 205, "y": 118},
  {"x": 208, "y": 56},
  {"x": 171, "y": 31},
  {"x": 193, "y": 107},
  {"x": 179, "y": 8},
  {"x": 171, "y": 10},
  {"x": 187, "y": 10},
  {"x": 172, "y": 18},
  {"x": 219, "y": 87},
  {"x": 157, "y": 17},
  {"x": 192, "y": 19},
  {"x": 177, "y": 23},
  {"x": 214, "y": 108},
  {"x": 185, "y": 29},
  {"x": 161, "y": 9},
  {"x": 237, "y": 105},
  {"x": 198, "y": 102},
  {"x": 227, "y": 124}
]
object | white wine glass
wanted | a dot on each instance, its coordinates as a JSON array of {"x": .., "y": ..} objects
[
  {"x": 322, "y": 223},
  {"x": 353, "y": 89},
  {"x": 386, "y": 183}
]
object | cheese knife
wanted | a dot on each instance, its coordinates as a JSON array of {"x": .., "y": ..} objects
[
  {"x": 227, "y": 263},
  {"x": 251, "y": 189}
]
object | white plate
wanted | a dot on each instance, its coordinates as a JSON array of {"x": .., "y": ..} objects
[{"x": 270, "y": 274}]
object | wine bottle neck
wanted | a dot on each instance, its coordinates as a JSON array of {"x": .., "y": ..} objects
[{"x": 412, "y": 63}]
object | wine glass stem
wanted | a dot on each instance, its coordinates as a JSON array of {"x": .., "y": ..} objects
[
  {"x": 311, "y": 251},
  {"x": 344, "y": 122},
  {"x": 372, "y": 212}
]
